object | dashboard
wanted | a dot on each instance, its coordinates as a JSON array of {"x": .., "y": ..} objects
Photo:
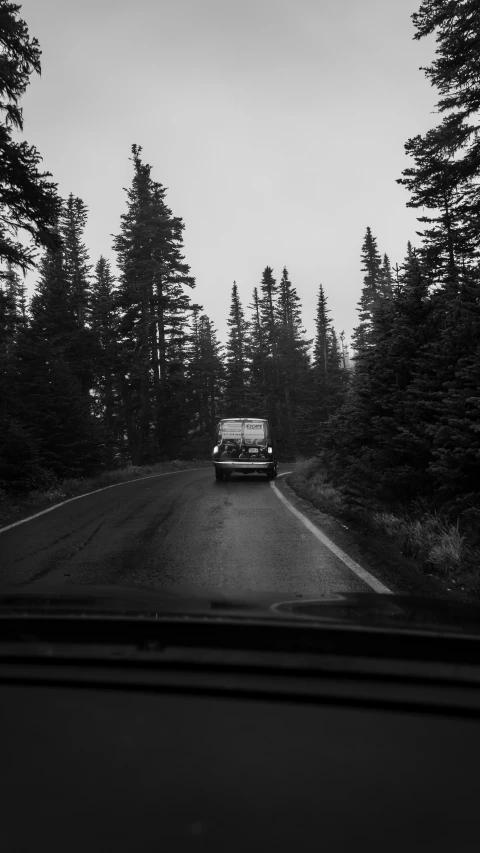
[{"x": 236, "y": 751}]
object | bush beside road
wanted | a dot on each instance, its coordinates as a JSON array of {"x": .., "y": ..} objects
[{"x": 419, "y": 544}]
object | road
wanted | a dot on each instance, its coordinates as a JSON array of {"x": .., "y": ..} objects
[{"x": 180, "y": 529}]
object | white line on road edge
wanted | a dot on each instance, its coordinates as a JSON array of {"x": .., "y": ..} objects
[
  {"x": 77, "y": 497},
  {"x": 351, "y": 564}
]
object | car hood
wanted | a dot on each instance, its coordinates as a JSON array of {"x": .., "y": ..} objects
[{"x": 368, "y": 610}]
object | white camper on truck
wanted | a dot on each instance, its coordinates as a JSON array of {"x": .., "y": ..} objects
[{"x": 244, "y": 446}]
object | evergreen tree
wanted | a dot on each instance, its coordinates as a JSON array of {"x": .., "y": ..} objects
[
  {"x": 104, "y": 327},
  {"x": 288, "y": 309},
  {"x": 8, "y": 384},
  {"x": 236, "y": 359},
  {"x": 135, "y": 295},
  {"x": 12, "y": 322},
  {"x": 329, "y": 377},
  {"x": 294, "y": 389},
  {"x": 386, "y": 278},
  {"x": 207, "y": 378},
  {"x": 444, "y": 178},
  {"x": 371, "y": 439},
  {"x": 57, "y": 323},
  {"x": 12, "y": 307},
  {"x": 269, "y": 290},
  {"x": 77, "y": 265},
  {"x": 323, "y": 325},
  {"x": 70, "y": 444},
  {"x": 153, "y": 308},
  {"x": 435, "y": 184},
  {"x": 442, "y": 401},
  {"x": 28, "y": 201},
  {"x": 53, "y": 407},
  {"x": 76, "y": 275},
  {"x": 256, "y": 355},
  {"x": 54, "y": 325},
  {"x": 396, "y": 452},
  {"x": 410, "y": 423},
  {"x": 211, "y": 373},
  {"x": 371, "y": 291},
  {"x": 19, "y": 459},
  {"x": 269, "y": 325},
  {"x": 179, "y": 388},
  {"x": 455, "y": 464}
]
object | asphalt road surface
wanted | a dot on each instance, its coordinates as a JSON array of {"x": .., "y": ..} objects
[{"x": 181, "y": 529}]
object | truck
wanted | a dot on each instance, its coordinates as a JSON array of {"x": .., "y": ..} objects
[{"x": 244, "y": 446}]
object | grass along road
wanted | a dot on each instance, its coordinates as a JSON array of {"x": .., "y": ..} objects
[{"x": 424, "y": 554}]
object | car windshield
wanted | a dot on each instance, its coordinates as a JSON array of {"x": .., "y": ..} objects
[{"x": 239, "y": 307}]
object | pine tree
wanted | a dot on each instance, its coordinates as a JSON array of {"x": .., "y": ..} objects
[
  {"x": 12, "y": 321},
  {"x": 455, "y": 464},
  {"x": 386, "y": 278},
  {"x": 212, "y": 373},
  {"x": 366, "y": 436},
  {"x": 135, "y": 295},
  {"x": 57, "y": 324},
  {"x": 371, "y": 292},
  {"x": 444, "y": 180},
  {"x": 28, "y": 201},
  {"x": 154, "y": 310},
  {"x": 77, "y": 278},
  {"x": 396, "y": 457},
  {"x": 12, "y": 307},
  {"x": 70, "y": 444},
  {"x": 179, "y": 388},
  {"x": 54, "y": 325},
  {"x": 410, "y": 423},
  {"x": 294, "y": 389},
  {"x": 207, "y": 378},
  {"x": 77, "y": 265},
  {"x": 268, "y": 319},
  {"x": 54, "y": 409},
  {"x": 329, "y": 377},
  {"x": 442, "y": 401},
  {"x": 435, "y": 184},
  {"x": 8, "y": 383},
  {"x": 288, "y": 309},
  {"x": 338, "y": 378},
  {"x": 237, "y": 377},
  {"x": 323, "y": 325},
  {"x": 19, "y": 461},
  {"x": 444, "y": 177},
  {"x": 269, "y": 290},
  {"x": 104, "y": 327},
  {"x": 256, "y": 355}
]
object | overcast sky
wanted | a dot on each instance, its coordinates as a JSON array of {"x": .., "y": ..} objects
[{"x": 278, "y": 128}]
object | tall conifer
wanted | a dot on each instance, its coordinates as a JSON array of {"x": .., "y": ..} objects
[
  {"x": 237, "y": 375},
  {"x": 28, "y": 200},
  {"x": 153, "y": 307}
]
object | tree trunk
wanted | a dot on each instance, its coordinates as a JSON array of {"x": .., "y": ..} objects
[{"x": 132, "y": 437}]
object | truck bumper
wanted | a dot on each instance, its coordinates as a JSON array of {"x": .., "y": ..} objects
[{"x": 244, "y": 466}]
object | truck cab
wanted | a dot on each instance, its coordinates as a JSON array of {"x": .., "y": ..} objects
[{"x": 244, "y": 446}]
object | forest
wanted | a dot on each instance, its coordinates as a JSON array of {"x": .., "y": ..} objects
[{"x": 100, "y": 370}]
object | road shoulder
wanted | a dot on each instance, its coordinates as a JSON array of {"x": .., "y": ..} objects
[{"x": 376, "y": 553}]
